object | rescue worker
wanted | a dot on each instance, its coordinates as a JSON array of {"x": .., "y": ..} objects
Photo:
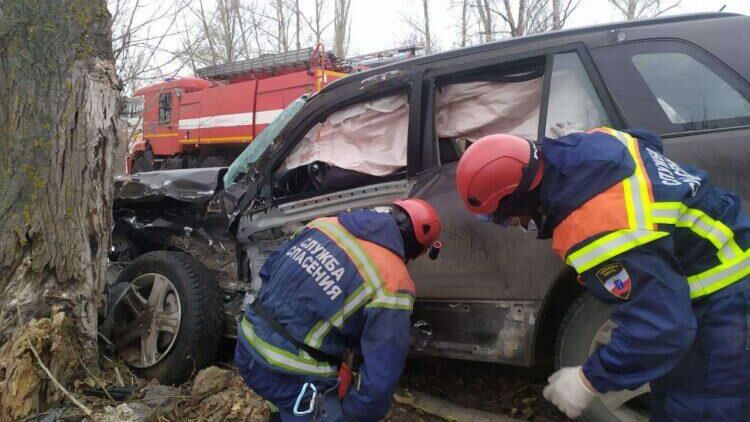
[
  {"x": 339, "y": 282},
  {"x": 648, "y": 236}
]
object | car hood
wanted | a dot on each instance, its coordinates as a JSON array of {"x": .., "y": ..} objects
[{"x": 187, "y": 185}]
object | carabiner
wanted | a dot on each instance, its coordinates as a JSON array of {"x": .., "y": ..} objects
[{"x": 302, "y": 392}]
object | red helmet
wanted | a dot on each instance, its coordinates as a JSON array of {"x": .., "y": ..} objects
[
  {"x": 424, "y": 219},
  {"x": 492, "y": 168}
]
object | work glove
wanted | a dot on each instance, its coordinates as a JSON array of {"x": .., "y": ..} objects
[
  {"x": 568, "y": 391},
  {"x": 561, "y": 129}
]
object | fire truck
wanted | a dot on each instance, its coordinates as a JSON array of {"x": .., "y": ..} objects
[{"x": 207, "y": 121}]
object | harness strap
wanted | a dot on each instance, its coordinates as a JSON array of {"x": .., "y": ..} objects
[{"x": 316, "y": 354}]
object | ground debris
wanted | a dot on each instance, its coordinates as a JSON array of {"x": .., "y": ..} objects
[
  {"x": 126, "y": 412},
  {"x": 497, "y": 389},
  {"x": 211, "y": 380},
  {"x": 444, "y": 409},
  {"x": 215, "y": 395}
]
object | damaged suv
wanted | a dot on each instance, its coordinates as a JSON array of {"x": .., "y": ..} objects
[{"x": 493, "y": 295}]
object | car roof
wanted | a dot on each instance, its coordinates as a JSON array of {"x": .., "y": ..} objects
[{"x": 550, "y": 36}]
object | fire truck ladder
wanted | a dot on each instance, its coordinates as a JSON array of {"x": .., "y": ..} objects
[{"x": 268, "y": 63}]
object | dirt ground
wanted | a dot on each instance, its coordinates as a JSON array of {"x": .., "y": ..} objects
[
  {"x": 219, "y": 394},
  {"x": 498, "y": 389}
]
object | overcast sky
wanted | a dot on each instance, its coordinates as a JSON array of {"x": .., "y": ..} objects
[{"x": 378, "y": 24}]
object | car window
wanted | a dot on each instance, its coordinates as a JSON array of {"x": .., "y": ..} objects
[
  {"x": 572, "y": 97},
  {"x": 165, "y": 108},
  {"x": 688, "y": 91},
  {"x": 260, "y": 144},
  {"x": 484, "y": 104},
  {"x": 671, "y": 87},
  {"x": 357, "y": 145}
]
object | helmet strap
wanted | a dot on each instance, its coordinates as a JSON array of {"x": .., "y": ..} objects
[
  {"x": 412, "y": 247},
  {"x": 519, "y": 200}
]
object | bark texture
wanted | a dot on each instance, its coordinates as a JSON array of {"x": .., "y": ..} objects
[{"x": 58, "y": 137}]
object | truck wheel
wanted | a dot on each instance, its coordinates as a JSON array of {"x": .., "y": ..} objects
[
  {"x": 585, "y": 327},
  {"x": 168, "y": 324}
]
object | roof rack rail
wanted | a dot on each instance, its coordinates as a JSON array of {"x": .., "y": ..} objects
[{"x": 380, "y": 58}]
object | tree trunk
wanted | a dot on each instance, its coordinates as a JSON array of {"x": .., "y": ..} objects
[
  {"x": 464, "y": 23},
  {"x": 58, "y": 135},
  {"x": 341, "y": 27},
  {"x": 485, "y": 16},
  {"x": 631, "y": 9},
  {"x": 297, "y": 14},
  {"x": 427, "y": 34},
  {"x": 556, "y": 15}
]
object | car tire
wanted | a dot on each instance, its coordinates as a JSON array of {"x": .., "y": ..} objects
[
  {"x": 584, "y": 325},
  {"x": 192, "y": 299}
]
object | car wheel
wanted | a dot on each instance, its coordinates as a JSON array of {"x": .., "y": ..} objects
[
  {"x": 168, "y": 323},
  {"x": 585, "y": 327}
]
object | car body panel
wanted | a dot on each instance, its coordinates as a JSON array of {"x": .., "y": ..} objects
[{"x": 488, "y": 295}]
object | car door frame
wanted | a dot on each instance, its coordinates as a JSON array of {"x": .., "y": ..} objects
[
  {"x": 430, "y": 154},
  {"x": 302, "y": 208}
]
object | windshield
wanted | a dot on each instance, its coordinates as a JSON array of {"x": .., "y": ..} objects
[{"x": 250, "y": 155}]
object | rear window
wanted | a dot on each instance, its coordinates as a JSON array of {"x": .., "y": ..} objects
[{"x": 672, "y": 87}]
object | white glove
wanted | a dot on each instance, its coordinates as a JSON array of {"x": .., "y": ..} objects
[
  {"x": 565, "y": 128},
  {"x": 568, "y": 391}
]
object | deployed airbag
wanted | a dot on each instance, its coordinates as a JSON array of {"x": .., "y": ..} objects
[
  {"x": 475, "y": 109},
  {"x": 369, "y": 138}
]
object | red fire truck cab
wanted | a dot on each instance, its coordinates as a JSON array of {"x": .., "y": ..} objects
[{"x": 207, "y": 121}]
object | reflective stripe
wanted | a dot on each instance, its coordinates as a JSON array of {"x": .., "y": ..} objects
[
  {"x": 702, "y": 225},
  {"x": 373, "y": 285},
  {"x": 355, "y": 301},
  {"x": 643, "y": 212},
  {"x": 284, "y": 359},
  {"x": 349, "y": 243},
  {"x": 398, "y": 301},
  {"x": 719, "y": 277},
  {"x": 609, "y": 246},
  {"x": 637, "y": 196}
]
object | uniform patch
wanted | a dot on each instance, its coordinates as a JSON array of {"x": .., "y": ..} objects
[{"x": 616, "y": 279}]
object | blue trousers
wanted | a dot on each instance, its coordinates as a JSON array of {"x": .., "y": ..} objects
[
  {"x": 712, "y": 382},
  {"x": 283, "y": 389}
]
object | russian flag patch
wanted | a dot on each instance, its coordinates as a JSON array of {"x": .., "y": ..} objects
[{"x": 615, "y": 279}]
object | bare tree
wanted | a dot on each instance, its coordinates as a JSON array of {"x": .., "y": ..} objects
[
  {"x": 281, "y": 17},
  {"x": 317, "y": 22},
  {"x": 468, "y": 24},
  {"x": 297, "y": 28},
  {"x": 464, "y": 25},
  {"x": 635, "y": 9},
  {"x": 58, "y": 136},
  {"x": 341, "y": 27},
  {"x": 524, "y": 16},
  {"x": 141, "y": 34},
  {"x": 484, "y": 10},
  {"x": 419, "y": 27},
  {"x": 217, "y": 38},
  {"x": 561, "y": 11}
]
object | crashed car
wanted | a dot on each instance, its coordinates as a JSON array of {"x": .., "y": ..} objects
[{"x": 190, "y": 243}]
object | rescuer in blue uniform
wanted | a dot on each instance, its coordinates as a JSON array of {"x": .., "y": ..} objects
[
  {"x": 339, "y": 282},
  {"x": 669, "y": 251}
]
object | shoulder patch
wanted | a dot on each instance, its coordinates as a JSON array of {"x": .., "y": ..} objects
[{"x": 615, "y": 279}]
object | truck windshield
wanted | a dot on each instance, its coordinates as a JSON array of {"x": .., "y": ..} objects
[{"x": 250, "y": 155}]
